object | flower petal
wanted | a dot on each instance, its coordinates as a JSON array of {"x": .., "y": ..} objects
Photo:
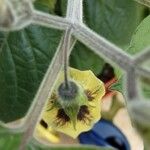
[{"x": 89, "y": 114}]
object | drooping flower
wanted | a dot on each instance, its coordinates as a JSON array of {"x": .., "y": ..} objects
[{"x": 81, "y": 112}]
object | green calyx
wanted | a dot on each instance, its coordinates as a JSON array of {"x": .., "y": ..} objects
[
  {"x": 68, "y": 92},
  {"x": 72, "y": 112},
  {"x": 71, "y": 102},
  {"x": 74, "y": 95}
]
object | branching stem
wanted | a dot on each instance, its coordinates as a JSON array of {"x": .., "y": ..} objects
[
  {"x": 73, "y": 25},
  {"x": 144, "y": 2}
]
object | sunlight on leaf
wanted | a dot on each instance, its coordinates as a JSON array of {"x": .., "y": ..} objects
[{"x": 140, "y": 41}]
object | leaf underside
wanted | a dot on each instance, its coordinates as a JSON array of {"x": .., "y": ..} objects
[{"x": 24, "y": 59}]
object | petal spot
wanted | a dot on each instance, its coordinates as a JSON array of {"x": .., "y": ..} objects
[
  {"x": 62, "y": 118},
  {"x": 84, "y": 114}
]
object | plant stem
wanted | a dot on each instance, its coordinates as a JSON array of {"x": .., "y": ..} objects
[
  {"x": 75, "y": 11},
  {"x": 66, "y": 42},
  {"x": 144, "y": 2},
  {"x": 142, "y": 57},
  {"x": 102, "y": 47},
  {"x": 107, "y": 50},
  {"x": 42, "y": 95},
  {"x": 46, "y": 86},
  {"x": 73, "y": 24},
  {"x": 131, "y": 85},
  {"x": 51, "y": 21},
  {"x": 74, "y": 14}
]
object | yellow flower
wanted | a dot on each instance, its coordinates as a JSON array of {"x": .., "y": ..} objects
[
  {"x": 46, "y": 134},
  {"x": 81, "y": 114}
]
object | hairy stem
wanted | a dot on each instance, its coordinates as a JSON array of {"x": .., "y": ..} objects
[
  {"x": 102, "y": 47},
  {"x": 144, "y": 2},
  {"x": 75, "y": 10},
  {"x": 74, "y": 14},
  {"x": 50, "y": 21},
  {"x": 73, "y": 24},
  {"x": 41, "y": 97},
  {"x": 142, "y": 57},
  {"x": 132, "y": 85},
  {"x": 108, "y": 51},
  {"x": 66, "y": 46},
  {"x": 46, "y": 86},
  {"x": 43, "y": 94},
  {"x": 142, "y": 72}
]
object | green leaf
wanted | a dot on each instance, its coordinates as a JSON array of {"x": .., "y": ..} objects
[
  {"x": 114, "y": 19},
  {"x": 24, "y": 59},
  {"x": 141, "y": 37},
  {"x": 63, "y": 6},
  {"x": 118, "y": 85},
  {"x": 140, "y": 41},
  {"x": 46, "y": 5},
  {"x": 84, "y": 59},
  {"x": 145, "y": 84},
  {"x": 8, "y": 140}
]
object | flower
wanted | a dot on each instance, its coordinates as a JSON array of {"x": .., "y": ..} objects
[
  {"x": 79, "y": 114},
  {"x": 46, "y": 134}
]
